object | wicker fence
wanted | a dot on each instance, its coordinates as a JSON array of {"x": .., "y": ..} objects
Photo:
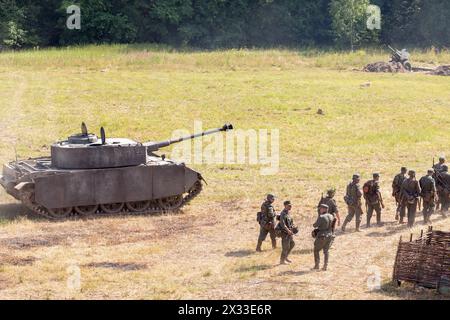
[{"x": 425, "y": 261}]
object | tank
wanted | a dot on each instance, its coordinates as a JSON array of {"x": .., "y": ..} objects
[{"x": 88, "y": 175}]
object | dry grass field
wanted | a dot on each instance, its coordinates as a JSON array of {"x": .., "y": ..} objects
[{"x": 207, "y": 250}]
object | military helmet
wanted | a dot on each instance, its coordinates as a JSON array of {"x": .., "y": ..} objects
[
  {"x": 430, "y": 171},
  {"x": 287, "y": 203},
  {"x": 376, "y": 175},
  {"x": 411, "y": 173},
  {"x": 403, "y": 169},
  {"x": 270, "y": 196},
  {"x": 442, "y": 158},
  {"x": 331, "y": 192},
  {"x": 356, "y": 176}
]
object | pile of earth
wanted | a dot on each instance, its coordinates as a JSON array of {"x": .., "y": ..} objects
[
  {"x": 441, "y": 71},
  {"x": 392, "y": 67}
]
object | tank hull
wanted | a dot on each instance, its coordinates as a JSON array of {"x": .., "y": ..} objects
[{"x": 59, "y": 188}]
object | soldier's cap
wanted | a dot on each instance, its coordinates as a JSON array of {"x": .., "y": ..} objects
[
  {"x": 442, "y": 158},
  {"x": 404, "y": 169},
  {"x": 270, "y": 196},
  {"x": 411, "y": 172},
  {"x": 444, "y": 168},
  {"x": 376, "y": 175},
  {"x": 331, "y": 191},
  {"x": 287, "y": 203},
  {"x": 356, "y": 176},
  {"x": 323, "y": 205}
]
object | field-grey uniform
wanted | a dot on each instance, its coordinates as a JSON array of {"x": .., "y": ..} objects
[
  {"x": 354, "y": 195},
  {"x": 410, "y": 195},
  {"x": 267, "y": 225},
  {"x": 287, "y": 240},
  {"x": 438, "y": 169},
  {"x": 396, "y": 186},
  {"x": 373, "y": 201},
  {"x": 324, "y": 238},
  {"x": 444, "y": 194},
  {"x": 428, "y": 187}
]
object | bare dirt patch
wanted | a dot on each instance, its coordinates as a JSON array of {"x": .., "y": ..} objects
[{"x": 117, "y": 266}]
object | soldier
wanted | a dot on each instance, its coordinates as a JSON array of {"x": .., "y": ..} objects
[
  {"x": 374, "y": 200},
  {"x": 324, "y": 236},
  {"x": 428, "y": 194},
  {"x": 410, "y": 191},
  {"x": 267, "y": 223},
  {"x": 286, "y": 226},
  {"x": 444, "y": 182},
  {"x": 353, "y": 200},
  {"x": 332, "y": 206},
  {"x": 396, "y": 186},
  {"x": 439, "y": 187}
]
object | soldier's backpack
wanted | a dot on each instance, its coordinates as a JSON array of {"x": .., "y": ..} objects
[
  {"x": 369, "y": 189},
  {"x": 347, "y": 198}
]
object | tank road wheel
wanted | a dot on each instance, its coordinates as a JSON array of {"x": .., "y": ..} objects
[
  {"x": 86, "y": 210},
  {"x": 60, "y": 213},
  {"x": 138, "y": 206},
  {"x": 112, "y": 207},
  {"x": 171, "y": 203}
]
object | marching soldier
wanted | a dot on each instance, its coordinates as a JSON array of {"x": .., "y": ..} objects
[
  {"x": 439, "y": 187},
  {"x": 324, "y": 236},
  {"x": 267, "y": 223},
  {"x": 286, "y": 226},
  {"x": 374, "y": 200},
  {"x": 353, "y": 200},
  {"x": 428, "y": 194},
  {"x": 396, "y": 186},
  {"x": 410, "y": 191},
  {"x": 444, "y": 183},
  {"x": 332, "y": 206}
]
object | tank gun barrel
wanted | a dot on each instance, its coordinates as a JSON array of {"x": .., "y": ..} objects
[{"x": 154, "y": 146}]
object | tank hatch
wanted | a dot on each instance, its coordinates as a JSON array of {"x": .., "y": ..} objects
[{"x": 86, "y": 151}]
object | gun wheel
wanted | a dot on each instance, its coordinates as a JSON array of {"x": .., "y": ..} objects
[
  {"x": 86, "y": 210},
  {"x": 60, "y": 213},
  {"x": 138, "y": 206},
  {"x": 112, "y": 207},
  {"x": 171, "y": 203}
]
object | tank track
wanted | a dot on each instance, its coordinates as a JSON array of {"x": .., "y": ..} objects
[{"x": 154, "y": 208}]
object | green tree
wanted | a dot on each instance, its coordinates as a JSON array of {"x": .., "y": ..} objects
[{"x": 349, "y": 21}]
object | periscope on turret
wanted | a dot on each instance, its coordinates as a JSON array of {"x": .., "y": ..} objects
[{"x": 87, "y": 175}]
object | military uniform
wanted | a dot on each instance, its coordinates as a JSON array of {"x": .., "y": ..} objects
[
  {"x": 373, "y": 201},
  {"x": 287, "y": 240},
  {"x": 410, "y": 191},
  {"x": 324, "y": 238},
  {"x": 443, "y": 186},
  {"x": 354, "y": 204},
  {"x": 267, "y": 225},
  {"x": 396, "y": 186},
  {"x": 438, "y": 169},
  {"x": 428, "y": 193}
]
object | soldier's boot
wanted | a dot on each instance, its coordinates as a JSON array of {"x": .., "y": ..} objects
[
  {"x": 358, "y": 223},
  {"x": 316, "y": 260},
  {"x": 283, "y": 260},
  {"x": 288, "y": 261},
  {"x": 325, "y": 262},
  {"x": 344, "y": 225},
  {"x": 368, "y": 222},
  {"x": 274, "y": 243},
  {"x": 258, "y": 246}
]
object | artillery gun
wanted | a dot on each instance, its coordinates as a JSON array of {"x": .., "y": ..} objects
[
  {"x": 401, "y": 57},
  {"x": 86, "y": 175}
]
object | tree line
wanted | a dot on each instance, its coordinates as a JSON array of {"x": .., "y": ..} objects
[{"x": 225, "y": 23}]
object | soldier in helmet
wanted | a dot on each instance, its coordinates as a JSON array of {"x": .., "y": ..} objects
[
  {"x": 353, "y": 200},
  {"x": 374, "y": 200},
  {"x": 286, "y": 226},
  {"x": 396, "y": 186},
  {"x": 439, "y": 185},
  {"x": 324, "y": 236},
  {"x": 332, "y": 206},
  {"x": 267, "y": 222},
  {"x": 438, "y": 166},
  {"x": 428, "y": 194},
  {"x": 410, "y": 191}
]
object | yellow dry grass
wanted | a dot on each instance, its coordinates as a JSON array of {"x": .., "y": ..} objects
[{"x": 207, "y": 251}]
